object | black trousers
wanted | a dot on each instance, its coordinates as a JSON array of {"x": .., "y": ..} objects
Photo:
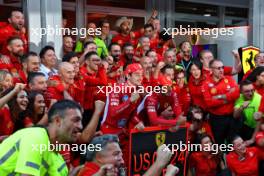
[{"x": 223, "y": 127}]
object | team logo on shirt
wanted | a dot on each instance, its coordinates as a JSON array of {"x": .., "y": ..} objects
[
  {"x": 210, "y": 85},
  {"x": 160, "y": 138},
  {"x": 226, "y": 81},
  {"x": 213, "y": 91}
]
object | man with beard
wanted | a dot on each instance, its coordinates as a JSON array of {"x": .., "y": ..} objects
[
  {"x": 124, "y": 26},
  {"x": 128, "y": 54},
  {"x": 29, "y": 151},
  {"x": 14, "y": 28},
  {"x": 117, "y": 63},
  {"x": 12, "y": 63},
  {"x": 30, "y": 63}
]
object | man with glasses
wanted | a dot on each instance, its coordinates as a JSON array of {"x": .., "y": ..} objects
[
  {"x": 246, "y": 108},
  {"x": 206, "y": 56},
  {"x": 220, "y": 94},
  {"x": 94, "y": 75}
]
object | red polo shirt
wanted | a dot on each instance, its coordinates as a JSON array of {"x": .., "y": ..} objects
[
  {"x": 7, "y": 32},
  {"x": 89, "y": 169},
  {"x": 92, "y": 80},
  {"x": 204, "y": 165},
  {"x": 246, "y": 167},
  {"x": 196, "y": 91},
  {"x": 223, "y": 86}
]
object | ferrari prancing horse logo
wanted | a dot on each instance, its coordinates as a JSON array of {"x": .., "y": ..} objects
[{"x": 160, "y": 138}]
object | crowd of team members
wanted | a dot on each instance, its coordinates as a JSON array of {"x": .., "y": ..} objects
[{"x": 62, "y": 100}]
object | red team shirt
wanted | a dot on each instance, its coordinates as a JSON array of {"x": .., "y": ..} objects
[
  {"x": 246, "y": 167},
  {"x": 204, "y": 165},
  {"x": 219, "y": 106},
  {"x": 157, "y": 103}
]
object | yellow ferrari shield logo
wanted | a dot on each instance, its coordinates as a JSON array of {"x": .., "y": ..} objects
[
  {"x": 248, "y": 54},
  {"x": 160, "y": 138}
]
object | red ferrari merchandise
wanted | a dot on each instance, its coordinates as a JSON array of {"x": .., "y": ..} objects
[{"x": 213, "y": 91}]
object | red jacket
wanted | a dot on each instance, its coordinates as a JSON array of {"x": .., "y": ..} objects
[
  {"x": 196, "y": 91},
  {"x": 121, "y": 40},
  {"x": 92, "y": 80},
  {"x": 55, "y": 89},
  {"x": 119, "y": 112},
  {"x": 79, "y": 89},
  {"x": 89, "y": 169},
  {"x": 10, "y": 63},
  {"x": 7, "y": 32},
  {"x": 248, "y": 166},
  {"x": 224, "y": 86},
  {"x": 204, "y": 165},
  {"x": 157, "y": 103}
]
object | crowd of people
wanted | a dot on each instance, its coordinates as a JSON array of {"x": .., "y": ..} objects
[{"x": 46, "y": 100}]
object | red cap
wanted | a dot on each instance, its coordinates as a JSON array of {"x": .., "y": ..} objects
[
  {"x": 164, "y": 81},
  {"x": 131, "y": 68}
]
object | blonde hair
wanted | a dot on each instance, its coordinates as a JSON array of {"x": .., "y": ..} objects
[{"x": 3, "y": 74}]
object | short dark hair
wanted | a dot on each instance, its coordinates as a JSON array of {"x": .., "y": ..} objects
[
  {"x": 234, "y": 137},
  {"x": 32, "y": 75},
  {"x": 102, "y": 141},
  {"x": 88, "y": 43},
  {"x": 44, "y": 50},
  {"x": 111, "y": 45},
  {"x": 89, "y": 54},
  {"x": 127, "y": 44},
  {"x": 67, "y": 57},
  {"x": 11, "y": 13},
  {"x": 150, "y": 50},
  {"x": 102, "y": 21},
  {"x": 60, "y": 107},
  {"x": 11, "y": 39},
  {"x": 244, "y": 83},
  {"x": 197, "y": 63},
  {"x": 148, "y": 25},
  {"x": 25, "y": 57},
  {"x": 256, "y": 72}
]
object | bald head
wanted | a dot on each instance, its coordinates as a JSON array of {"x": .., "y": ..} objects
[{"x": 66, "y": 72}]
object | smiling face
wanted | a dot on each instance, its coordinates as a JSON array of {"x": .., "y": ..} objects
[
  {"x": 39, "y": 104},
  {"x": 69, "y": 126},
  {"x": 111, "y": 154},
  {"x": 17, "y": 20},
  {"x": 22, "y": 100},
  {"x": 7, "y": 82}
]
